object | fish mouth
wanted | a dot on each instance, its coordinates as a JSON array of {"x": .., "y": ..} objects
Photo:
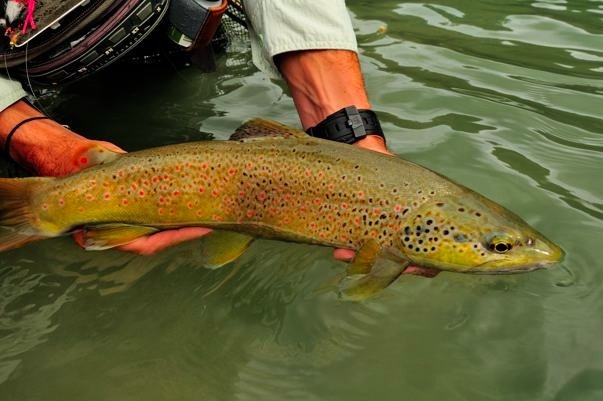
[{"x": 494, "y": 269}]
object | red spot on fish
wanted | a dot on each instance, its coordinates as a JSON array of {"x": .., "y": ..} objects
[
  {"x": 218, "y": 217},
  {"x": 317, "y": 201},
  {"x": 215, "y": 192},
  {"x": 145, "y": 183},
  {"x": 360, "y": 194},
  {"x": 62, "y": 202},
  {"x": 199, "y": 213},
  {"x": 344, "y": 205},
  {"x": 45, "y": 206},
  {"x": 241, "y": 193},
  {"x": 232, "y": 171},
  {"x": 250, "y": 213},
  {"x": 160, "y": 211},
  {"x": 165, "y": 176},
  {"x": 125, "y": 202},
  {"x": 307, "y": 173},
  {"x": 141, "y": 192},
  {"x": 161, "y": 199},
  {"x": 105, "y": 184},
  {"x": 88, "y": 197},
  {"x": 204, "y": 166},
  {"x": 176, "y": 193},
  {"x": 177, "y": 167},
  {"x": 120, "y": 173},
  {"x": 107, "y": 196},
  {"x": 172, "y": 211},
  {"x": 155, "y": 179},
  {"x": 189, "y": 205},
  {"x": 81, "y": 209},
  {"x": 398, "y": 208},
  {"x": 201, "y": 189},
  {"x": 134, "y": 186},
  {"x": 84, "y": 160}
]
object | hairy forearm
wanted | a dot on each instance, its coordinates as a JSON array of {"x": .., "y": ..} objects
[
  {"x": 43, "y": 146},
  {"x": 322, "y": 82}
]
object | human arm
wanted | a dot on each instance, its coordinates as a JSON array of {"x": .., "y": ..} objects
[{"x": 45, "y": 147}]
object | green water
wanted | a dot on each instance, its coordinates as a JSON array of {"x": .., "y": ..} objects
[{"x": 503, "y": 96}]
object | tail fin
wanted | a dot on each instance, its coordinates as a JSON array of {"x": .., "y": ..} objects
[{"x": 16, "y": 216}]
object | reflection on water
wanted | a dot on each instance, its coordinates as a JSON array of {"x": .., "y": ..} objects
[{"x": 503, "y": 97}]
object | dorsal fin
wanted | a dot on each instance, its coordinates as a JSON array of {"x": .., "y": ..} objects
[{"x": 261, "y": 127}]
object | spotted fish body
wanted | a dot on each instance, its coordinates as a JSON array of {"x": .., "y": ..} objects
[{"x": 281, "y": 184}]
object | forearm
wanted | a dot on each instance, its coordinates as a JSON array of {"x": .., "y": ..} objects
[
  {"x": 322, "y": 82},
  {"x": 43, "y": 146}
]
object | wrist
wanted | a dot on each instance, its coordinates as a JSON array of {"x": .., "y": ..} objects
[
  {"x": 348, "y": 125},
  {"x": 37, "y": 143},
  {"x": 374, "y": 143}
]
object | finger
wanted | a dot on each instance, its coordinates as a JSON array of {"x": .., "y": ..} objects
[
  {"x": 421, "y": 271},
  {"x": 156, "y": 242},
  {"x": 345, "y": 255}
]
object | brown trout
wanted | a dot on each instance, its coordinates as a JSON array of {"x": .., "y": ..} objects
[{"x": 273, "y": 181}]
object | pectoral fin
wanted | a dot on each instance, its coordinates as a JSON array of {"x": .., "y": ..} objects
[
  {"x": 106, "y": 236},
  {"x": 369, "y": 273},
  {"x": 221, "y": 247}
]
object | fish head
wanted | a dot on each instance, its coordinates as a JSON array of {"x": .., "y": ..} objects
[{"x": 469, "y": 233}]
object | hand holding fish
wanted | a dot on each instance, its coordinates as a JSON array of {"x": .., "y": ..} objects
[{"x": 46, "y": 148}]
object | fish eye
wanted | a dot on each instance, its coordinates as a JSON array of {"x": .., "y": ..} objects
[{"x": 500, "y": 244}]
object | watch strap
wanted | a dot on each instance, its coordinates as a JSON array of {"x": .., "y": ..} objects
[{"x": 348, "y": 125}]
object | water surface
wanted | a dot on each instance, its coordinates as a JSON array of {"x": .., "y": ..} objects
[{"x": 502, "y": 96}]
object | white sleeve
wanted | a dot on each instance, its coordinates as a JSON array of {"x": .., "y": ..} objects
[
  {"x": 10, "y": 92},
  {"x": 279, "y": 26}
]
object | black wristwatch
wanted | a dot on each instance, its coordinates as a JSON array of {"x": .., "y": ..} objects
[{"x": 348, "y": 125}]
